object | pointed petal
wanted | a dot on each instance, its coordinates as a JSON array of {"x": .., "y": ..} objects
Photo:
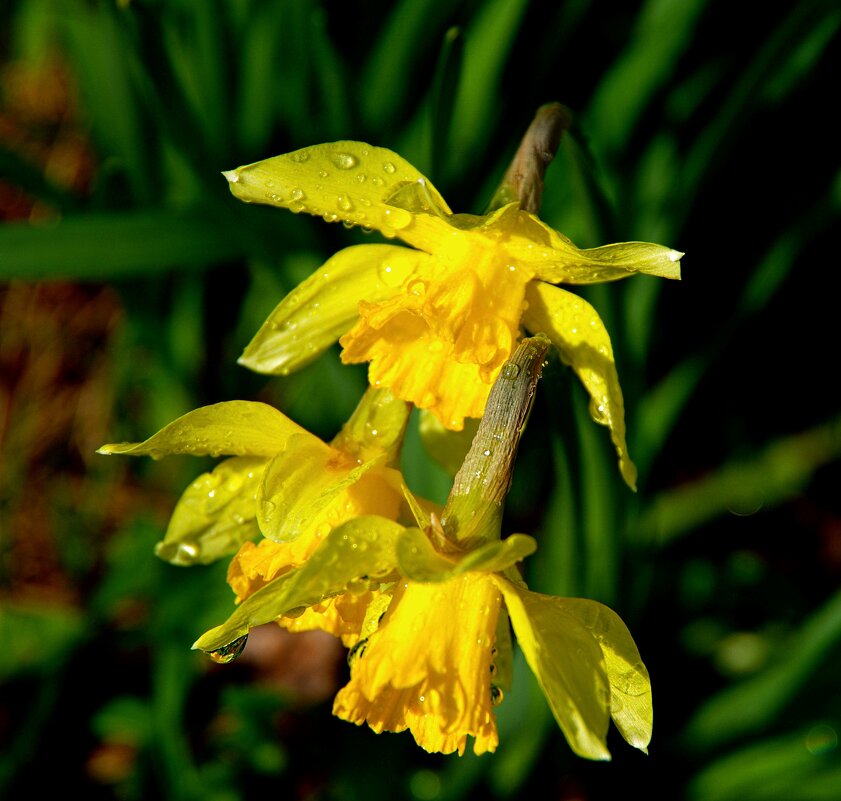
[
  {"x": 312, "y": 487},
  {"x": 419, "y": 561},
  {"x": 568, "y": 664},
  {"x": 376, "y": 428},
  {"x": 577, "y": 331},
  {"x": 554, "y": 258},
  {"x": 339, "y": 181},
  {"x": 361, "y": 547},
  {"x": 215, "y": 515},
  {"x": 630, "y": 686},
  {"x": 235, "y": 428},
  {"x": 315, "y": 314}
]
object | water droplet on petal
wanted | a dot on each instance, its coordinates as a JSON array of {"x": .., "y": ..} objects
[
  {"x": 345, "y": 161},
  {"x": 397, "y": 219},
  {"x": 227, "y": 653},
  {"x": 298, "y": 194},
  {"x": 300, "y": 156},
  {"x": 496, "y": 695},
  {"x": 389, "y": 168},
  {"x": 344, "y": 203}
]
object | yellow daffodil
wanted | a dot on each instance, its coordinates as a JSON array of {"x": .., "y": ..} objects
[
  {"x": 281, "y": 480},
  {"x": 436, "y": 321},
  {"x": 434, "y": 651}
]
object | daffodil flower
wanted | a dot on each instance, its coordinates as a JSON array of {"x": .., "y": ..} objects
[
  {"x": 436, "y": 321},
  {"x": 281, "y": 480},
  {"x": 434, "y": 651}
]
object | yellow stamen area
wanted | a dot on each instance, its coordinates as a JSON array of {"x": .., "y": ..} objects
[
  {"x": 442, "y": 339},
  {"x": 427, "y": 668}
]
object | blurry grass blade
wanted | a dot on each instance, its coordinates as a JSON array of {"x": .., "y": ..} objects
[
  {"x": 443, "y": 96},
  {"x": 783, "y": 254},
  {"x": 748, "y": 707},
  {"x": 783, "y": 767},
  {"x": 21, "y": 174},
  {"x": 798, "y": 25},
  {"x": 102, "y": 59},
  {"x": 118, "y": 245},
  {"x": 777, "y": 473},
  {"x": 257, "y": 101},
  {"x": 663, "y": 31},
  {"x": 488, "y": 41},
  {"x": 36, "y": 636},
  {"x": 661, "y": 408},
  {"x": 331, "y": 79},
  {"x": 803, "y": 57},
  {"x": 397, "y": 48},
  {"x": 598, "y": 512}
]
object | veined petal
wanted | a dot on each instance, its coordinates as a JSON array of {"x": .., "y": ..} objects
[
  {"x": 215, "y": 514},
  {"x": 311, "y": 487},
  {"x": 427, "y": 667},
  {"x": 347, "y": 181},
  {"x": 568, "y": 664},
  {"x": 555, "y": 259},
  {"x": 419, "y": 561},
  {"x": 315, "y": 314},
  {"x": 376, "y": 427},
  {"x": 576, "y": 329},
  {"x": 630, "y": 686},
  {"x": 362, "y": 547},
  {"x": 233, "y": 428}
]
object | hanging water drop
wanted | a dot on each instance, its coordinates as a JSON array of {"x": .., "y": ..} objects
[{"x": 227, "y": 653}]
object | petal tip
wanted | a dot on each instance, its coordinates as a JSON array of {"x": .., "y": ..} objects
[{"x": 232, "y": 176}]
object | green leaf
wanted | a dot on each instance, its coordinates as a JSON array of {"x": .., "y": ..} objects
[
  {"x": 776, "y": 473},
  {"x": 663, "y": 30},
  {"x": 751, "y": 705},
  {"x": 114, "y": 245}
]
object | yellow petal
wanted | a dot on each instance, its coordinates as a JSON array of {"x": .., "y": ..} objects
[
  {"x": 362, "y": 547},
  {"x": 376, "y": 427},
  {"x": 427, "y": 668},
  {"x": 315, "y": 314},
  {"x": 339, "y": 181},
  {"x": 630, "y": 686},
  {"x": 568, "y": 664},
  {"x": 235, "y": 428},
  {"x": 442, "y": 339},
  {"x": 555, "y": 259},
  {"x": 215, "y": 515},
  {"x": 345, "y": 616},
  {"x": 313, "y": 487},
  {"x": 576, "y": 329}
]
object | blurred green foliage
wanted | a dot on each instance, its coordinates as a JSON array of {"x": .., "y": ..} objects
[{"x": 697, "y": 125}]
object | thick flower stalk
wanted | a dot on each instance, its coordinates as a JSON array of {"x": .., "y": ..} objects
[
  {"x": 433, "y": 653},
  {"x": 436, "y": 321}
]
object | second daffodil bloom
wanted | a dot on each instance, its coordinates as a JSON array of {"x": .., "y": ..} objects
[
  {"x": 436, "y": 321},
  {"x": 434, "y": 652},
  {"x": 282, "y": 481}
]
